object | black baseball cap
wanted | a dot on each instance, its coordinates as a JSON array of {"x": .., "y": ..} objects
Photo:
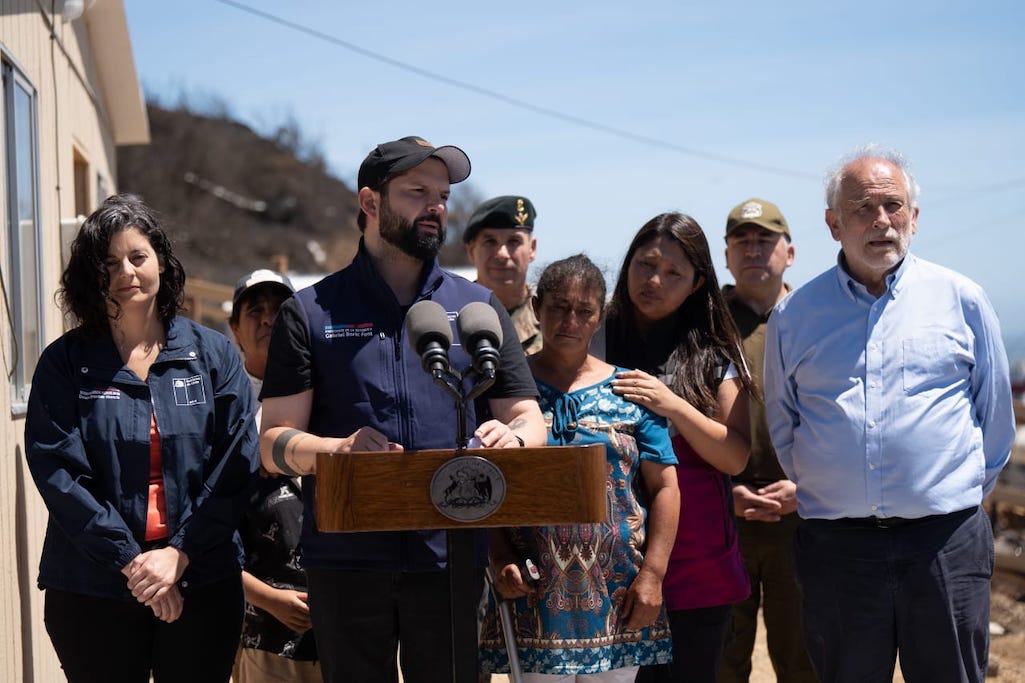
[{"x": 391, "y": 158}]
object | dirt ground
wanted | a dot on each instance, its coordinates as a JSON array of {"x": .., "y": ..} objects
[
  {"x": 1007, "y": 651},
  {"x": 1007, "y": 613}
]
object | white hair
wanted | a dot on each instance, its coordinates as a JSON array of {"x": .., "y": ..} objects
[{"x": 835, "y": 175}]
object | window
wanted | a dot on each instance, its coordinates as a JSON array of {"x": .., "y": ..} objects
[
  {"x": 21, "y": 268},
  {"x": 101, "y": 190},
  {"x": 81, "y": 171}
]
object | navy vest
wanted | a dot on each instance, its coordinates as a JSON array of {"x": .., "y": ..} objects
[{"x": 366, "y": 374}]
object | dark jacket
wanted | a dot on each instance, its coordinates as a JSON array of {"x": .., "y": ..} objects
[{"x": 87, "y": 435}]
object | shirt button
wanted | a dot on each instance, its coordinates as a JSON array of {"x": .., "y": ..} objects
[
  {"x": 872, "y": 466},
  {"x": 84, "y": 370},
  {"x": 872, "y": 346},
  {"x": 192, "y": 354},
  {"x": 871, "y": 424},
  {"x": 872, "y": 385},
  {"x": 874, "y": 508}
]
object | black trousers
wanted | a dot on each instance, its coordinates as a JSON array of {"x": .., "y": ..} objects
[
  {"x": 362, "y": 618},
  {"x": 103, "y": 640},
  {"x": 698, "y": 636},
  {"x": 919, "y": 590}
]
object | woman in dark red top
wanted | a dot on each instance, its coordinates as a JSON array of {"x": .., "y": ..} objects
[{"x": 667, "y": 319}]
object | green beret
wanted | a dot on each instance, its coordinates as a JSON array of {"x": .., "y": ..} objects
[{"x": 509, "y": 212}]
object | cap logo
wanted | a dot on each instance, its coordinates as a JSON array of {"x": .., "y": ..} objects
[
  {"x": 423, "y": 143},
  {"x": 262, "y": 275},
  {"x": 751, "y": 210},
  {"x": 521, "y": 212}
]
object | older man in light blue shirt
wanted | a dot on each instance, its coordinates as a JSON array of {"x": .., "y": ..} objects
[{"x": 888, "y": 399}]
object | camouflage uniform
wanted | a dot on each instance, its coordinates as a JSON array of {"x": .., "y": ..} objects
[{"x": 528, "y": 327}]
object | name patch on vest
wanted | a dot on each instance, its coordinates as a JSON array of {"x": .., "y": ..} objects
[
  {"x": 189, "y": 391},
  {"x": 98, "y": 394},
  {"x": 349, "y": 331}
]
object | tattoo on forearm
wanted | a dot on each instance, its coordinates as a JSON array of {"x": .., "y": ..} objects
[
  {"x": 277, "y": 452},
  {"x": 292, "y": 454},
  {"x": 513, "y": 426},
  {"x": 517, "y": 423}
]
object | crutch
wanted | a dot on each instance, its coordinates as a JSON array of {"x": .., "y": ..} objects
[{"x": 505, "y": 612}]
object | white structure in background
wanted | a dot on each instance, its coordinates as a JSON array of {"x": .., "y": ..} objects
[{"x": 304, "y": 280}]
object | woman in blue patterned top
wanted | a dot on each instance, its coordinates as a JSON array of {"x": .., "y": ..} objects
[{"x": 596, "y": 612}]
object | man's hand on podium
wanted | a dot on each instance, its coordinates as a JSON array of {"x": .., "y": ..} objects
[
  {"x": 293, "y": 452},
  {"x": 495, "y": 434},
  {"x": 367, "y": 439}
]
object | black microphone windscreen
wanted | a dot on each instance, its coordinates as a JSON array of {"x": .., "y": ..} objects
[
  {"x": 478, "y": 320},
  {"x": 428, "y": 322}
]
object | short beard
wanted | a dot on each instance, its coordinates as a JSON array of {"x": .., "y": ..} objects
[{"x": 404, "y": 235}]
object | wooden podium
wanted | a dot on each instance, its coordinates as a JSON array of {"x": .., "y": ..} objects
[
  {"x": 391, "y": 491},
  {"x": 461, "y": 490}
]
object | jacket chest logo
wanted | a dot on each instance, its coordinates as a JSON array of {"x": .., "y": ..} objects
[
  {"x": 349, "y": 331},
  {"x": 99, "y": 394},
  {"x": 189, "y": 391}
]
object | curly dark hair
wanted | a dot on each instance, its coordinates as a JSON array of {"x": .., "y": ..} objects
[
  {"x": 558, "y": 275},
  {"x": 693, "y": 343},
  {"x": 85, "y": 283}
]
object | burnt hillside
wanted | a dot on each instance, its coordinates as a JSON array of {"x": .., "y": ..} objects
[{"x": 233, "y": 199}]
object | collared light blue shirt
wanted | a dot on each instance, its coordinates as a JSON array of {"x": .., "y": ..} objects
[{"x": 897, "y": 406}]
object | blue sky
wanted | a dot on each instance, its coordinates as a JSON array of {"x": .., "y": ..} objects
[{"x": 605, "y": 114}]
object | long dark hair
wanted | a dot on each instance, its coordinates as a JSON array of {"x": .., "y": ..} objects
[
  {"x": 85, "y": 283},
  {"x": 694, "y": 343}
]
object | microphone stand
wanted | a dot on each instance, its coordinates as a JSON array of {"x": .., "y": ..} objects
[
  {"x": 462, "y": 557},
  {"x": 430, "y": 336},
  {"x": 451, "y": 384}
]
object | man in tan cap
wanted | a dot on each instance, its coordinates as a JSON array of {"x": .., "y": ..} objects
[
  {"x": 758, "y": 251},
  {"x": 500, "y": 242}
]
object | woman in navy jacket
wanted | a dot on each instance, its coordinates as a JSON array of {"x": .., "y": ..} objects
[{"x": 141, "y": 441}]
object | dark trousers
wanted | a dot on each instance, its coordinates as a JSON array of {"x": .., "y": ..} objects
[
  {"x": 768, "y": 549},
  {"x": 102, "y": 640},
  {"x": 361, "y": 618},
  {"x": 698, "y": 636},
  {"x": 920, "y": 589}
]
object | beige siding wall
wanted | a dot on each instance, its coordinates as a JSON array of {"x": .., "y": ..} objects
[{"x": 70, "y": 119}]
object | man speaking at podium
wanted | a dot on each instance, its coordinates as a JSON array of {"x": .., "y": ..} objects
[{"x": 342, "y": 377}]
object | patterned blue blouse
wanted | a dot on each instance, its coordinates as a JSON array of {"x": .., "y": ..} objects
[{"x": 571, "y": 625}]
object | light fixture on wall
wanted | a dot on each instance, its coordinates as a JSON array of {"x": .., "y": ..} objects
[{"x": 73, "y": 9}]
